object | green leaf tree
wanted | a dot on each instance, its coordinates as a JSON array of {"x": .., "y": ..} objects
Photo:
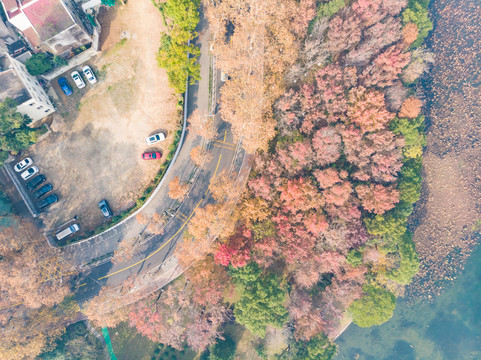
[
  {"x": 419, "y": 15},
  {"x": 176, "y": 55},
  {"x": 223, "y": 349},
  {"x": 407, "y": 264},
  {"x": 39, "y": 64},
  {"x": 413, "y": 132},
  {"x": 262, "y": 300},
  {"x": 10, "y": 119},
  {"x": 374, "y": 308},
  {"x": 354, "y": 258}
]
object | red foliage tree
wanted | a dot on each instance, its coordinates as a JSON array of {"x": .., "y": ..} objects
[
  {"x": 338, "y": 194},
  {"x": 386, "y": 67},
  {"x": 344, "y": 32},
  {"x": 375, "y": 39},
  {"x": 377, "y": 198},
  {"x": 367, "y": 109},
  {"x": 326, "y": 144},
  {"x": 300, "y": 195},
  {"x": 236, "y": 250},
  {"x": 327, "y": 177}
]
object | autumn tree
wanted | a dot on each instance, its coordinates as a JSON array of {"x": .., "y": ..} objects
[
  {"x": 209, "y": 281},
  {"x": 170, "y": 317},
  {"x": 30, "y": 271},
  {"x": 410, "y": 108},
  {"x": 26, "y": 334},
  {"x": 177, "y": 190},
  {"x": 367, "y": 109},
  {"x": 223, "y": 186},
  {"x": 386, "y": 67},
  {"x": 377, "y": 198},
  {"x": 200, "y": 123},
  {"x": 126, "y": 250},
  {"x": 409, "y": 33},
  {"x": 105, "y": 309},
  {"x": 199, "y": 156}
]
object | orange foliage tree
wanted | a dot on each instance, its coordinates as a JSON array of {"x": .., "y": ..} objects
[
  {"x": 177, "y": 190},
  {"x": 410, "y": 108}
]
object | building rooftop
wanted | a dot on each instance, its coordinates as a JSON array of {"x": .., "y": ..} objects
[
  {"x": 10, "y": 84},
  {"x": 48, "y": 17}
]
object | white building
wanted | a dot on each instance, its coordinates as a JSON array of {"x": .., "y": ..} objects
[{"x": 16, "y": 83}]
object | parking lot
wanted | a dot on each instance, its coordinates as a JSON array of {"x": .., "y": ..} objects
[{"x": 99, "y": 131}]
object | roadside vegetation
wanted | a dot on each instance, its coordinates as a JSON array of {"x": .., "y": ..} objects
[
  {"x": 15, "y": 135},
  {"x": 35, "y": 294},
  {"x": 176, "y": 55}
]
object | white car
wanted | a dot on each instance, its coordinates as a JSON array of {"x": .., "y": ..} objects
[
  {"x": 89, "y": 74},
  {"x": 27, "y": 174},
  {"x": 22, "y": 165},
  {"x": 151, "y": 140},
  {"x": 77, "y": 79}
]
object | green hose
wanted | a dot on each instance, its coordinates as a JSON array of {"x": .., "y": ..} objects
[{"x": 105, "y": 333}]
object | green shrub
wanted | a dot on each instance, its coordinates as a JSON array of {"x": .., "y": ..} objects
[
  {"x": 374, "y": 308},
  {"x": 39, "y": 64}
]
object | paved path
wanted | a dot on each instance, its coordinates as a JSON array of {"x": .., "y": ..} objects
[{"x": 156, "y": 253}]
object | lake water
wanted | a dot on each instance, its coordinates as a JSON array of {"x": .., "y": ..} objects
[{"x": 447, "y": 329}]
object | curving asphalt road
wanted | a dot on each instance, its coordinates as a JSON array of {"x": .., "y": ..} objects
[{"x": 156, "y": 252}]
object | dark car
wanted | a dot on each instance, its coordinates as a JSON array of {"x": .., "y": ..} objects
[
  {"x": 49, "y": 200},
  {"x": 62, "y": 82},
  {"x": 104, "y": 207},
  {"x": 32, "y": 184},
  {"x": 154, "y": 155},
  {"x": 43, "y": 190}
]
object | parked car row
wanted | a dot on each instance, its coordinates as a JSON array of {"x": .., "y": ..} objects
[
  {"x": 28, "y": 173},
  {"x": 78, "y": 80}
]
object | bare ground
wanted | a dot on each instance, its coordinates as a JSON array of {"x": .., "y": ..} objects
[
  {"x": 448, "y": 212},
  {"x": 96, "y": 153}
]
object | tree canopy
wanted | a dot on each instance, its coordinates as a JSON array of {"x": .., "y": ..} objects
[
  {"x": 39, "y": 64},
  {"x": 374, "y": 308}
]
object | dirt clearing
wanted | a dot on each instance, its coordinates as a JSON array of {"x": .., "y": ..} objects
[{"x": 96, "y": 152}]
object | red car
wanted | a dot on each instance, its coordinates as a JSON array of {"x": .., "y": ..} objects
[{"x": 151, "y": 155}]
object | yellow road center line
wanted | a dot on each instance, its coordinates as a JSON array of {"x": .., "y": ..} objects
[
  {"x": 225, "y": 143},
  {"x": 168, "y": 241},
  {"x": 225, "y": 147},
  {"x": 225, "y": 134},
  {"x": 81, "y": 285}
]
